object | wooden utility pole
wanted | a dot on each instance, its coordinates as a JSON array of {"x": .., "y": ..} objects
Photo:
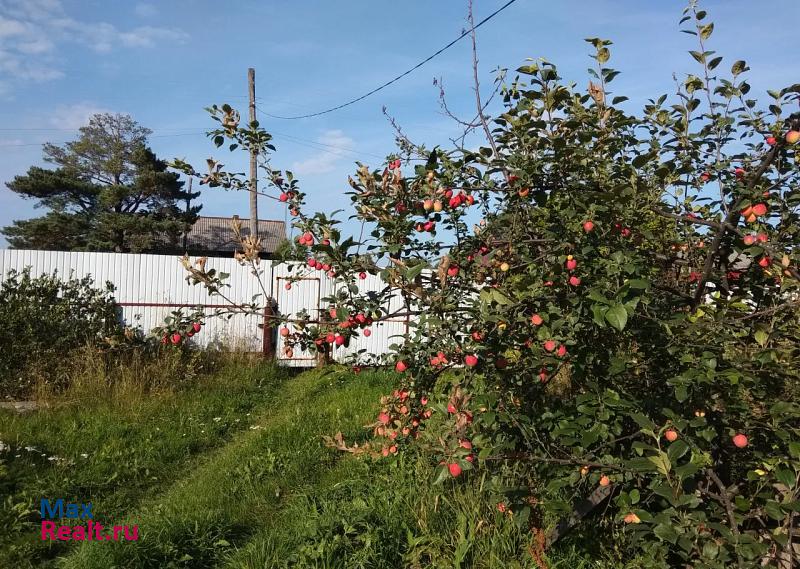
[
  {"x": 188, "y": 207},
  {"x": 251, "y": 80}
]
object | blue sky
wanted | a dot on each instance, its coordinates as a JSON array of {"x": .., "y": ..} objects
[{"x": 163, "y": 62}]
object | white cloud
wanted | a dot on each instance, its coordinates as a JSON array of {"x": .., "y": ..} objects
[
  {"x": 148, "y": 36},
  {"x": 72, "y": 117},
  {"x": 333, "y": 148},
  {"x": 32, "y": 31},
  {"x": 145, "y": 10}
]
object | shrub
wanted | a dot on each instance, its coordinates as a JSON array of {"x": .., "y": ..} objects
[
  {"x": 43, "y": 320},
  {"x": 625, "y": 312}
]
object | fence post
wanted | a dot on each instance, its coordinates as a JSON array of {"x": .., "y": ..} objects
[{"x": 268, "y": 348}]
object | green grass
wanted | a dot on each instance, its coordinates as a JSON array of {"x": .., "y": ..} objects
[
  {"x": 115, "y": 452},
  {"x": 261, "y": 492}
]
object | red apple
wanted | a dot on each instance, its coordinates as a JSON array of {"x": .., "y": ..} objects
[
  {"x": 452, "y": 271},
  {"x": 284, "y": 331},
  {"x": 367, "y": 332},
  {"x": 740, "y": 440},
  {"x": 176, "y": 338},
  {"x": 604, "y": 480},
  {"x": 792, "y": 136},
  {"x": 760, "y": 209},
  {"x": 451, "y": 408},
  {"x": 749, "y": 240},
  {"x": 288, "y": 286},
  {"x": 284, "y": 197},
  {"x": 588, "y": 226},
  {"x": 501, "y": 363},
  {"x": 465, "y": 444},
  {"x": 471, "y": 360},
  {"x": 562, "y": 351},
  {"x": 550, "y": 345},
  {"x": 764, "y": 262},
  {"x": 362, "y": 275},
  {"x": 574, "y": 281},
  {"x": 339, "y": 340},
  {"x": 771, "y": 140},
  {"x": 384, "y": 418},
  {"x": 330, "y": 337},
  {"x": 571, "y": 263},
  {"x": 401, "y": 366},
  {"x": 739, "y": 172},
  {"x": 454, "y": 469},
  {"x": 671, "y": 435},
  {"x": 536, "y": 320},
  {"x": 196, "y": 326}
]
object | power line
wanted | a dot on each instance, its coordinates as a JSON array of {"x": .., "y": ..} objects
[{"x": 417, "y": 66}]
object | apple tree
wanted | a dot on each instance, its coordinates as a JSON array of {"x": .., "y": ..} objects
[{"x": 622, "y": 322}]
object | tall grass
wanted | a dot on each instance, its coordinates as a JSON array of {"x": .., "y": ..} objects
[{"x": 122, "y": 431}]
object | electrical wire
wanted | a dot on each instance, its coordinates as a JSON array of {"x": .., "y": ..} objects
[{"x": 381, "y": 87}]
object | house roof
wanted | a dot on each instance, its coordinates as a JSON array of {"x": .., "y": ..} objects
[{"x": 215, "y": 235}]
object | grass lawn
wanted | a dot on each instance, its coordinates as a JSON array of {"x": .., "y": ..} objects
[{"x": 232, "y": 472}]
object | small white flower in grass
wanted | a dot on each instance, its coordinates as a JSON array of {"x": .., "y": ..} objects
[
  {"x": 84, "y": 455},
  {"x": 217, "y": 419}
]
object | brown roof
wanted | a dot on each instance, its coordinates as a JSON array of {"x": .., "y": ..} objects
[{"x": 211, "y": 235}]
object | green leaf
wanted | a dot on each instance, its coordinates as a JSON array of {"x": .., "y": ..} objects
[
  {"x": 638, "y": 283},
  {"x": 710, "y": 549},
  {"x": 773, "y": 510},
  {"x": 699, "y": 57},
  {"x": 415, "y": 271},
  {"x": 617, "y": 316},
  {"x": 739, "y": 67},
  {"x": 442, "y": 475},
  {"x": 676, "y": 450},
  {"x": 786, "y": 476},
  {"x": 528, "y": 69},
  {"x": 661, "y": 462},
  {"x": 761, "y": 337},
  {"x": 599, "y": 312},
  {"x": 706, "y": 31},
  {"x": 666, "y": 532}
]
